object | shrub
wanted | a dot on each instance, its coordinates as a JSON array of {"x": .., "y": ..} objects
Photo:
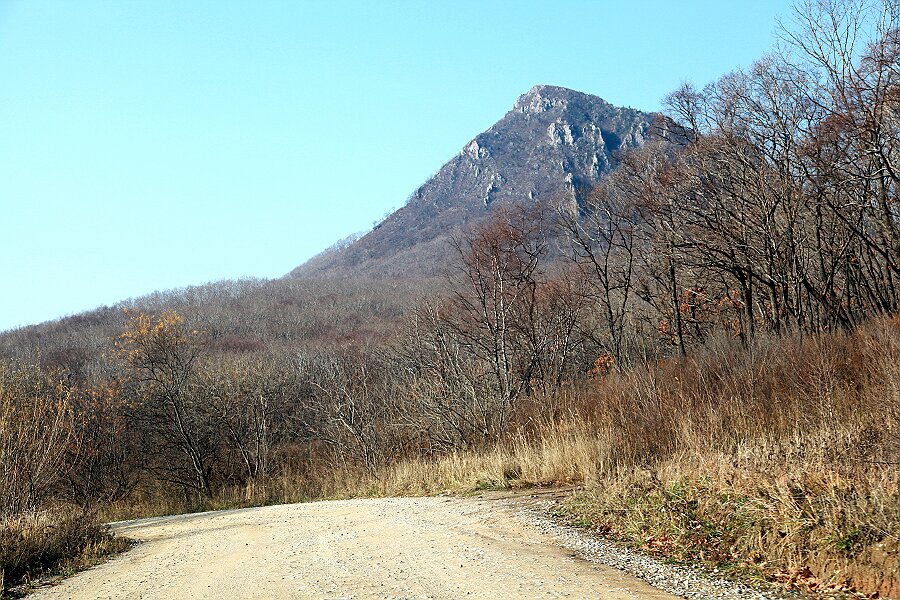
[{"x": 54, "y": 541}]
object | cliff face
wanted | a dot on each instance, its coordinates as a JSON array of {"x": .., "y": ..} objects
[{"x": 553, "y": 146}]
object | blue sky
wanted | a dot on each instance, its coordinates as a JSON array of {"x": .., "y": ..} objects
[{"x": 152, "y": 145}]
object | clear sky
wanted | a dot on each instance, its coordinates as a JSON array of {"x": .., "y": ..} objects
[{"x": 147, "y": 145}]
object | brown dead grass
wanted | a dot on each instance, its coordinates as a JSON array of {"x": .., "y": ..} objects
[
  {"x": 778, "y": 464},
  {"x": 51, "y": 543}
]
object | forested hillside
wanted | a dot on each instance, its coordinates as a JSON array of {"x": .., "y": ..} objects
[{"x": 708, "y": 342}]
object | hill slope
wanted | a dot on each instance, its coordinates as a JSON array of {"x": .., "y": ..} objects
[{"x": 552, "y": 146}]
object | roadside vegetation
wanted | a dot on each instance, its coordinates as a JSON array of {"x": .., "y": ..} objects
[{"x": 709, "y": 347}]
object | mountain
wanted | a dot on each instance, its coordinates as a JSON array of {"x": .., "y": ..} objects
[{"x": 553, "y": 146}]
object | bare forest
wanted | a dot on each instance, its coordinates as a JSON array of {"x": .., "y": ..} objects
[{"x": 710, "y": 346}]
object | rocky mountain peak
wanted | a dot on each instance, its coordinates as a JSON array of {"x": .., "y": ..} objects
[
  {"x": 542, "y": 98},
  {"x": 552, "y": 147}
]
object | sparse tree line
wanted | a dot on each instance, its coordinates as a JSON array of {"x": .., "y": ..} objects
[{"x": 779, "y": 211}]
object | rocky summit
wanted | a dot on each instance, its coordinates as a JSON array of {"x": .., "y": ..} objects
[{"x": 552, "y": 147}]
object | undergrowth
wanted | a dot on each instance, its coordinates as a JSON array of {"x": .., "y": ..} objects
[
  {"x": 51, "y": 543},
  {"x": 775, "y": 464}
]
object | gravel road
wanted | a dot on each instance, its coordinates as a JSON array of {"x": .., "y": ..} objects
[{"x": 445, "y": 548}]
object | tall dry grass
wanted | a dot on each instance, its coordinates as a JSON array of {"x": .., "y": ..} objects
[
  {"x": 39, "y": 535},
  {"x": 55, "y": 541},
  {"x": 779, "y": 462}
]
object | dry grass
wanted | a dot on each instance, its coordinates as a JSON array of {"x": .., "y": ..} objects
[
  {"x": 777, "y": 463},
  {"x": 50, "y": 543}
]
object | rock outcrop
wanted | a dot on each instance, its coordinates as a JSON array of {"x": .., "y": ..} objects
[{"x": 553, "y": 146}]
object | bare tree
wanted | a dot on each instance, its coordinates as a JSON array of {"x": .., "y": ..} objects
[
  {"x": 162, "y": 356},
  {"x": 36, "y": 431}
]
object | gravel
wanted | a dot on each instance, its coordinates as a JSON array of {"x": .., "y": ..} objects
[{"x": 680, "y": 580}]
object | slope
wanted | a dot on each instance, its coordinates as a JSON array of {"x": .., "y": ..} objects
[{"x": 552, "y": 147}]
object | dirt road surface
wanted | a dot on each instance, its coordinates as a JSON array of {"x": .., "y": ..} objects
[{"x": 439, "y": 548}]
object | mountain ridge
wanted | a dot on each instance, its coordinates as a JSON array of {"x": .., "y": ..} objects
[{"x": 553, "y": 145}]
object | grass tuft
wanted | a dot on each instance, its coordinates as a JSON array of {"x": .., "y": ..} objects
[{"x": 51, "y": 543}]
